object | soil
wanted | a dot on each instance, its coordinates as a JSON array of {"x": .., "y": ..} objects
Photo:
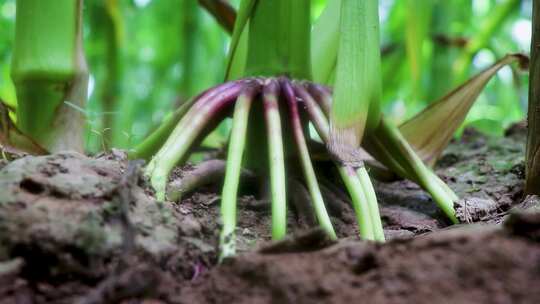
[{"x": 78, "y": 229}]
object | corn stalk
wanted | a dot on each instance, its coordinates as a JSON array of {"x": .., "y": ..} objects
[{"x": 50, "y": 72}]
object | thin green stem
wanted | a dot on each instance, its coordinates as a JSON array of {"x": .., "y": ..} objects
[
  {"x": 277, "y": 159},
  {"x": 445, "y": 187},
  {"x": 371, "y": 196},
  {"x": 309, "y": 172},
  {"x": 375, "y": 147},
  {"x": 359, "y": 201},
  {"x": 408, "y": 159},
  {"x": 179, "y": 143},
  {"x": 232, "y": 174}
]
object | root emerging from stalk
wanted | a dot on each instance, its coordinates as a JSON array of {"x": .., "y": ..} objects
[
  {"x": 300, "y": 100},
  {"x": 206, "y": 173}
]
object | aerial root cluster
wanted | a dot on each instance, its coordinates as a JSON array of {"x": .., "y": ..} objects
[{"x": 300, "y": 99}]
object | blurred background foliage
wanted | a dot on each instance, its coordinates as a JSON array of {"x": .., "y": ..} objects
[{"x": 147, "y": 56}]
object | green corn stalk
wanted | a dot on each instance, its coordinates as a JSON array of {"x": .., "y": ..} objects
[
  {"x": 50, "y": 73},
  {"x": 279, "y": 39}
]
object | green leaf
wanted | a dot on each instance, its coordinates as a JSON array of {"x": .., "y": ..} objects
[
  {"x": 430, "y": 131},
  {"x": 240, "y": 30},
  {"x": 324, "y": 43},
  {"x": 358, "y": 78}
]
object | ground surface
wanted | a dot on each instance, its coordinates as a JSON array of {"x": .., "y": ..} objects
[{"x": 87, "y": 230}]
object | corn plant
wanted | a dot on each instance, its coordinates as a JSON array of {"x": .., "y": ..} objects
[
  {"x": 272, "y": 64},
  {"x": 270, "y": 56},
  {"x": 283, "y": 74}
]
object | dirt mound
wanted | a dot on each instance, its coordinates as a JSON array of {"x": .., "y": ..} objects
[
  {"x": 77, "y": 229},
  {"x": 67, "y": 222},
  {"x": 461, "y": 265}
]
